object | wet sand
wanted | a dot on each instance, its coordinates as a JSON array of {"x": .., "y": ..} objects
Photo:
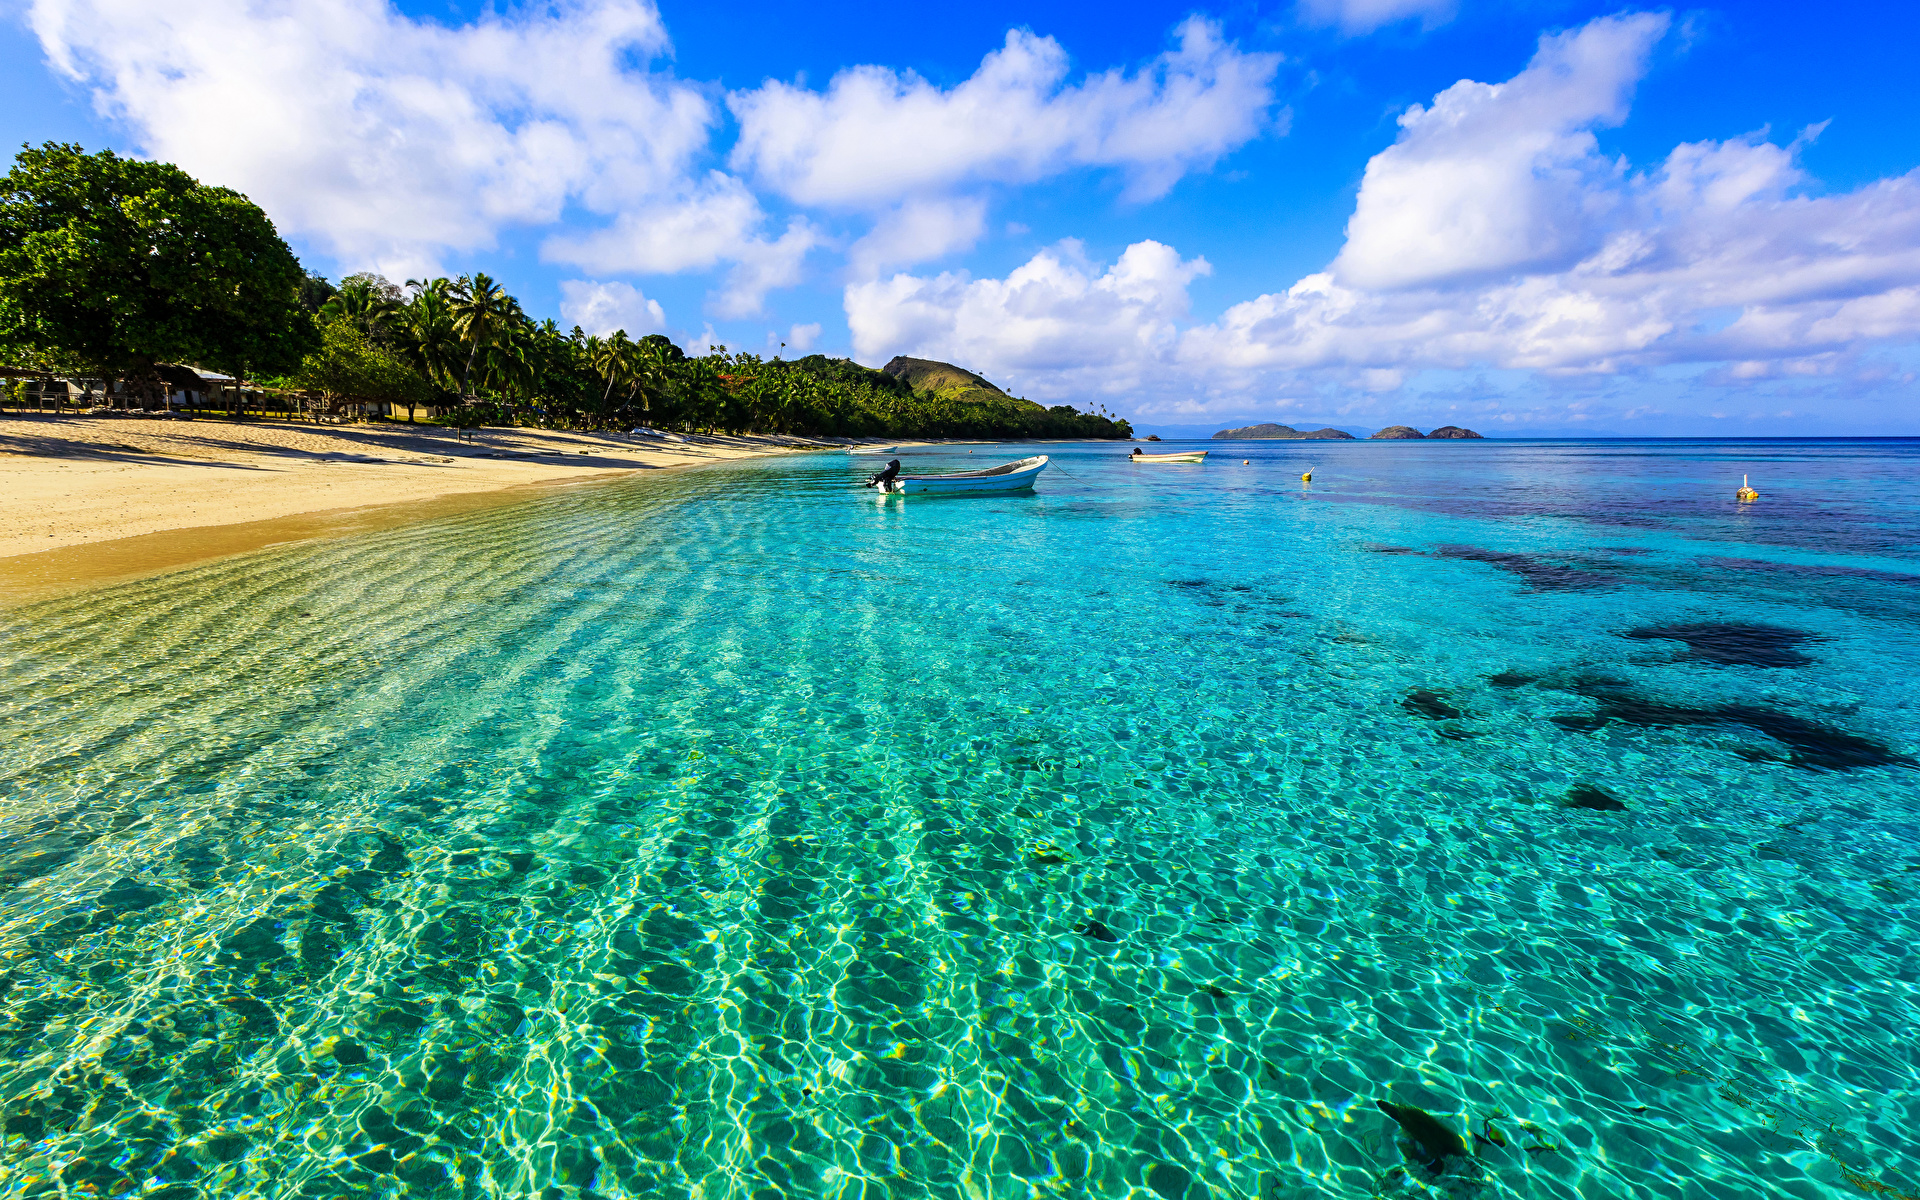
[{"x": 91, "y": 499}]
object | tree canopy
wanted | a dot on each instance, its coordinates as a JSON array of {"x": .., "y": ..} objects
[
  {"x": 111, "y": 266},
  {"x": 117, "y": 265}
]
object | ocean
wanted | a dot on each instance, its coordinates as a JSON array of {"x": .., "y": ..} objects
[{"x": 1483, "y": 818}]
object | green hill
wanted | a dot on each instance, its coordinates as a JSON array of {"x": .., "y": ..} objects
[
  {"x": 953, "y": 401},
  {"x": 926, "y": 375}
]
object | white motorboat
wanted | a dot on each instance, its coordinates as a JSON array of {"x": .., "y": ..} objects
[
  {"x": 1007, "y": 477},
  {"x": 1191, "y": 456}
]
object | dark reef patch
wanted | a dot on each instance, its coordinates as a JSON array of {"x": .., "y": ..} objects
[
  {"x": 1509, "y": 679},
  {"x": 1733, "y": 644},
  {"x": 1431, "y": 705},
  {"x": 1585, "y": 795},
  {"x": 1539, "y": 573},
  {"x": 1578, "y": 722},
  {"x": 1626, "y": 550},
  {"x": 1383, "y": 548},
  {"x": 1434, "y": 1141},
  {"x": 1808, "y": 570},
  {"x": 1814, "y": 746}
]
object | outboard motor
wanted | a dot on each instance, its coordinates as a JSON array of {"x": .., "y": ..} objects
[{"x": 885, "y": 477}]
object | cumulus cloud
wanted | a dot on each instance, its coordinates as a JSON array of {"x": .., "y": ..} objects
[
  {"x": 919, "y": 231},
  {"x": 1058, "y": 321},
  {"x": 716, "y": 223},
  {"x": 601, "y": 308},
  {"x": 1501, "y": 236},
  {"x": 390, "y": 141},
  {"x": 1364, "y": 16},
  {"x": 394, "y": 143},
  {"x": 801, "y": 338},
  {"x": 1497, "y": 178},
  {"x": 877, "y": 136},
  {"x": 1492, "y": 234}
]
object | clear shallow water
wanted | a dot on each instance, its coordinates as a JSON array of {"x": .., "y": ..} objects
[{"x": 739, "y": 834}]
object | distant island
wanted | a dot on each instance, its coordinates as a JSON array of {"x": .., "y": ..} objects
[
  {"x": 1270, "y": 430},
  {"x": 1390, "y": 433},
  {"x": 1398, "y": 432}
]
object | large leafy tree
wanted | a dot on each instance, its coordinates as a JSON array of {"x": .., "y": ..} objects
[
  {"x": 350, "y": 366},
  {"x": 120, "y": 265}
]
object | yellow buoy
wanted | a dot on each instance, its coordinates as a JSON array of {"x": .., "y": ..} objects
[
  {"x": 1306, "y": 476},
  {"x": 1746, "y": 491},
  {"x": 1245, "y": 461}
]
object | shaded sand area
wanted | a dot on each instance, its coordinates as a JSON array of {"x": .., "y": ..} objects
[{"x": 93, "y": 498}]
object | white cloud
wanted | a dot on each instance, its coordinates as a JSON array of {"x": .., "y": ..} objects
[
  {"x": 601, "y": 308},
  {"x": 1493, "y": 234},
  {"x": 1365, "y": 16},
  {"x": 801, "y": 338},
  {"x": 1497, "y": 178},
  {"x": 1058, "y": 321},
  {"x": 918, "y": 231},
  {"x": 388, "y": 140},
  {"x": 877, "y": 136},
  {"x": 715, "y": 223}
]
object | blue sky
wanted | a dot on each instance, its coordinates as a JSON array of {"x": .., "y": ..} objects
[{"x": 1529, "y": 218}]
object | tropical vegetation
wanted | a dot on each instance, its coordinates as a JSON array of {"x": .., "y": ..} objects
[
  {"x": 111, "y": 266},
  {"x": 114, "y": 269}
]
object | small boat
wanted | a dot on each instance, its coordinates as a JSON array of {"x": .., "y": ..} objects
[
  {"x": 1189, "y": 457},
  {"x": 1007, "y": 477}
]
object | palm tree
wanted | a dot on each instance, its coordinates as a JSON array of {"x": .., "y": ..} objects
[
  {"x": 481, "y": 310},
  {"x": 513, "y": 359},
  {"x": 648, "y": 376},
  {"x": 613, "y": 358},
  {"x": 363, "y": 304},
  {"x": 424, "y": 329}
]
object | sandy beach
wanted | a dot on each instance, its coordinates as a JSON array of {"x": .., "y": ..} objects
[{"x": 96, "y": 496}]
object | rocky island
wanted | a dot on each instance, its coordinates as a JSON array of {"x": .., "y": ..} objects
[
  {"x": 1270, "y": 430},
  {"x": 1390, "y": 433},
  {"x": 1397, "y": 432}
]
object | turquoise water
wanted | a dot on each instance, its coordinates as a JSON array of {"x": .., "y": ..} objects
[{"x": 737, "y": 833}]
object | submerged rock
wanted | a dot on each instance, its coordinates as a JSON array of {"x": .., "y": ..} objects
[
  {"x": 1814, "y": 746},
  {"x": 1431, "y": 705},
  {"x": 1397, "y": 433},
  {"x": 1540, "y": 573},
  {"x": 1585, "y": 795},
  {"x": 1733, "y": 644},
  {"x": 1436, "y": 1141}
]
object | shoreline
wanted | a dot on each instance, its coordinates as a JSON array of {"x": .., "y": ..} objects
[{"x": 99, "y": 500}]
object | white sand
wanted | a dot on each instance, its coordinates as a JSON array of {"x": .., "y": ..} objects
[{"x": 74, "y": 480}]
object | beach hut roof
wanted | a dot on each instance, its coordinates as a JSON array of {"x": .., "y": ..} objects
[{"x": 190, "y": 379}]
